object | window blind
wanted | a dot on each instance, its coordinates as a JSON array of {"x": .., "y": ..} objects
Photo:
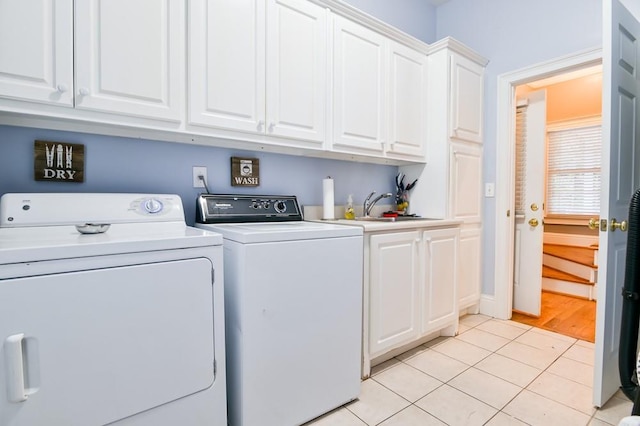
[
  {"x": 521, "y": 158},
  {"x": 573, "y": 171}
]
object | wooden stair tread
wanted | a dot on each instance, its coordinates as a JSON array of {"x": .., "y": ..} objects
[
  {"x": 559, "y": 275},
  {"x": 579, "y": 254}
]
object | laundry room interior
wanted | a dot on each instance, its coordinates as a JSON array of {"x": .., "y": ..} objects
[{"x": 319, "y": 212}]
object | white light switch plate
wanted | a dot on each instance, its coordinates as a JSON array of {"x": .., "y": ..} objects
[{"x": 489, "y": 190}]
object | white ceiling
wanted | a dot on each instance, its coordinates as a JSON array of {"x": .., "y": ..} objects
[{"x": 437, "y": 2}]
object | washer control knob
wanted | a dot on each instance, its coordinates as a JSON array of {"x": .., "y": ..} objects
[
  {"x": 280, "y": 206},
  {"x": 255, "y": 204},
  {"x": 266, "y": 204},
  {"x": 153, "y": 206}
]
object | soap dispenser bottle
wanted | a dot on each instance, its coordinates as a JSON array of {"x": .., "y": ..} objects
[{"x": 349, "y": 213}]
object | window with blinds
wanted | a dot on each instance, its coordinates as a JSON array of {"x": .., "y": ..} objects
[
  {"x": 521, "y": 158},
  {"x": 573, "y": 171}
]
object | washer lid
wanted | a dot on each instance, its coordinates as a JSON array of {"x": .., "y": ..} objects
[
  {"x": 262, "y": 232},
  {"x": 31, "y": 244}
]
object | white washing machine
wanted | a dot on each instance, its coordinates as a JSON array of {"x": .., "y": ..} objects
[
  {"x": 119, "y": 324},
  {"x": 293, "y": 299}
]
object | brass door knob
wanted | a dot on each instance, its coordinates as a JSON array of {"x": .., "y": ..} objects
[
  {"x": 594, "y": 224},
  {"x": 533, "y": 222},
  {"x": 618, "y": 225}
]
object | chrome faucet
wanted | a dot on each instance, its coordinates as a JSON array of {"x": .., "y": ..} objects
[{"x": 368, "y": 205}]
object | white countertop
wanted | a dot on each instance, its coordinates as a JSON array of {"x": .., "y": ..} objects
[{"x": 376, "y": 226}]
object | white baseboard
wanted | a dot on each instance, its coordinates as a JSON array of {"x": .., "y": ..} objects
[{"x": 489, "y": 307}]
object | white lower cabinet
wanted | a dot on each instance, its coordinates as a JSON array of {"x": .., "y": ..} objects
[
  {"x": 394, "y": 292},
  {"x": 469, "y": 269},
  {"x": 411, "y": 278},
  {"x": 439, "y": 290}
]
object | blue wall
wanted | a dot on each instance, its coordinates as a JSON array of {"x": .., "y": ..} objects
[
  {"x": 414, "y": 17},
  {"x": 116, "y": 164},
  {"x": 515, "y": 35}
]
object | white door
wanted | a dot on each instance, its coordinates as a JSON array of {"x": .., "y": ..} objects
[
  {"x": 130, "y": 57},
  {"x": 620, "y": 111},
  {"x": 296, "y": 70},
  {"x": 36, "y": 50},
  {"x": 527, "y": 274}
]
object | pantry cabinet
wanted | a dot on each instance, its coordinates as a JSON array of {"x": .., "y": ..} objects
[
  {"x": 234, "y": 84},
  {"x": 412, "y": 286},
  {"x": 96, "y": 57},
  {"x": 36, "y": 51},
  {"x": 454, "y": 157},
  {"x": 129, "y": 57},
  {"x": 466, "y": 96}
]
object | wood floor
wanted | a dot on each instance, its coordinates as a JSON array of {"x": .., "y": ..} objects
[{"x": 566, "y": 315}]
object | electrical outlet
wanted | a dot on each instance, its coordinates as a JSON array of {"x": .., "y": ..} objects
[{"x": 199, "y": 171}]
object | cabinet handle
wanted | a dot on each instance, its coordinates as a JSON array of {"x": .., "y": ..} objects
[
  {"x": 84, "y": 91},
  {"x": 62, "y": 88},
  {"x": 271, "y": 126},
  {"x": 260, "y": 124},
  {"x": 15, "y": 368}
]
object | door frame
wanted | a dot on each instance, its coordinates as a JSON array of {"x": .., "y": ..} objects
[{"x": 501, "y": 304}]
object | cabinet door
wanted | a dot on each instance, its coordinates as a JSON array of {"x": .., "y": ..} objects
[
  {"x": 36, "y": 50},
  {"x": 466, "y": 182},
  {"x": 130, "y": 57},
  {"x": 467, "y": 80},
  {"x": 393, "y": 290},
  {"x": 226, "y": 64},
  {"x": 469, "y": 267},
  {"x": 359, "y": 86},
  {"x": 408, "y": 102},
  {"x": 296, "y": 70},
  {"x": 439, "y": 295}
]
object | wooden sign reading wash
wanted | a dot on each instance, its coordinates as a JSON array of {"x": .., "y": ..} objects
[
  {"x": 58, "y": 161},
  {"x": 245, "y": 171}
]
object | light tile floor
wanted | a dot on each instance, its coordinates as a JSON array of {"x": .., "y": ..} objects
[{"x": 493, "y": 373}]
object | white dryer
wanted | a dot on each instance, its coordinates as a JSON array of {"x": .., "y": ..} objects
[{"x": 118, "y": 321}]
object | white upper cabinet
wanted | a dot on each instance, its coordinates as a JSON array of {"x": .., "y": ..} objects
[
  {"x": 235, "y": 85},
  {"x": 296, "y": 69},
  {"x": 359, "y": 88},
  {"x": 408, "y": 101},
  {"x": 227, "y": 64},
  {"x": 466, "y": 99},
  {"x": 130, "y": 57},
  {"x": 36, "y": 50}
]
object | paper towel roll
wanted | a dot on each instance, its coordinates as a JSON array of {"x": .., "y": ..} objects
[{"x": 327, "y": 198}]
